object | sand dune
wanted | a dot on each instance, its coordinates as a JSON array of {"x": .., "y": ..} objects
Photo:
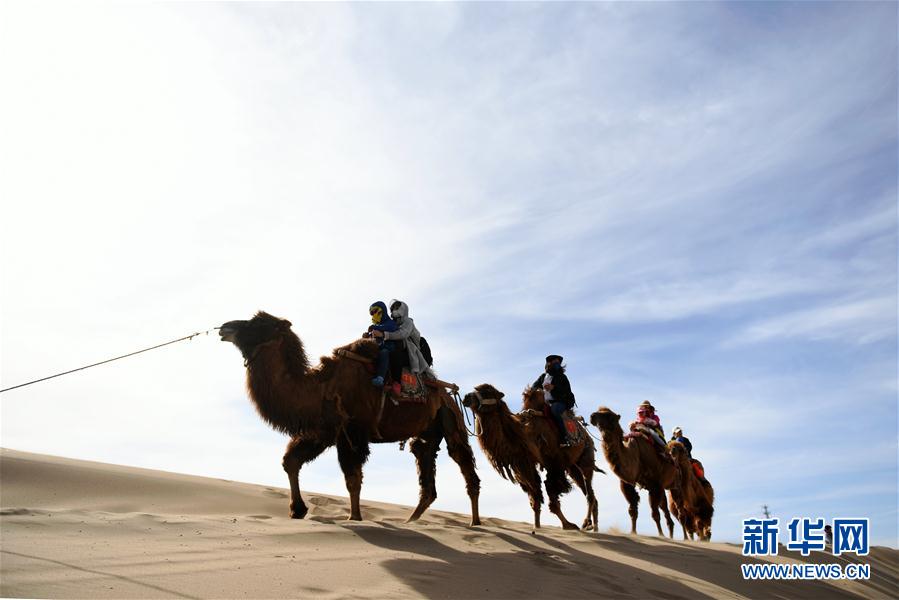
[{"x": 80, "y": 529}]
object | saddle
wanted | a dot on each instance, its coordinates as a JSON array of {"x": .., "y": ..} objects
[
  {"x": 410, "y": 388},
  {"x": 641, "y": 431},
  {"x": 574, "y": 425},
  {"x": 699, "y": 471}
]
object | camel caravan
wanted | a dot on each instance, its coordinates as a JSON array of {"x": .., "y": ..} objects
[{"x": 381, "y": 388}]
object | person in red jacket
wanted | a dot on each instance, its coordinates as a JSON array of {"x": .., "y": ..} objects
[{"x": 651, "y": 423}]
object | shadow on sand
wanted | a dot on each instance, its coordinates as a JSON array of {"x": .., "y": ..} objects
[
  {"x": 439, "y": 571},
  {"x": 569, "y": 568}
]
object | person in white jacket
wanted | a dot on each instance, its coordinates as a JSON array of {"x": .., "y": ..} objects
[{"x": 410, "y": 337}]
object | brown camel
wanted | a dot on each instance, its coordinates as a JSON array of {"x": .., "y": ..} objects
[
  {"x": 517, "y": 444},
  {"x": 692, "y": 502},
  {"x": 336, "y": 404},
  {"x": 636, "y": 462}
]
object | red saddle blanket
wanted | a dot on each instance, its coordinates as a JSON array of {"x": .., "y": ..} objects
[
  {"x": 573, "y": 426},
  {"x": 698, "y": 470},
  {"x": 410, "y": 388}
]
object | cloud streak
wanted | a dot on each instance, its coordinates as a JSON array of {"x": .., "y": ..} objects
[{"x": 693, "y": 203}]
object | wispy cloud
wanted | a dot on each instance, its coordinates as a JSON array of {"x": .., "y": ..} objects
[
  {"x": 862, "y": 322},
  {"x": 706, "y": 217}
]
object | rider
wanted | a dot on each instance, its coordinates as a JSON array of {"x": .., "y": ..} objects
[
  {"x": 678, "y": 436},
  {"x": 698, "y": 469},
  {"x": 646, "y": 416},
  {"x": 408, "y": 337},
  {"x": 381, "y": 324},
  {"x": 557, "y": 393}
]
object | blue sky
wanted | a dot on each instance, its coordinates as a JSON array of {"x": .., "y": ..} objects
[{"x": 695, "y": 203}]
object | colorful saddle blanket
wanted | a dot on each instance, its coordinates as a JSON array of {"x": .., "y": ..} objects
[
  {"x": 574, "y": 425},
  {"x": 410, "y": 388},
  {"x": 642, "y": 432}
]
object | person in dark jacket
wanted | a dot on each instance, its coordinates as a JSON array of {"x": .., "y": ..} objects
[
  {"x": 678, "y": 436},
  {"x": 381, "y": 323},
  {"x": 557, "y": 393}
]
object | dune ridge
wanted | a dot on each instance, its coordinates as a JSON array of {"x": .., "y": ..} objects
[{"x": 75, "y": 529}]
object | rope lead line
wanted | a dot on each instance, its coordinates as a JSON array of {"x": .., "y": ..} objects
[{"x": 187, "y": 337}]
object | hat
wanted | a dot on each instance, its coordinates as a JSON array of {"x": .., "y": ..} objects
[
  {"x": 646, "y": 404},
  {"x": 677, "y": 430},
  {"x": 553, "y": 357}
]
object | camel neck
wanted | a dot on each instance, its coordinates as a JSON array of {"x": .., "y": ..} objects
[
  {"x": 614, "y": 448},
  {"x": 284, "y": 394}
]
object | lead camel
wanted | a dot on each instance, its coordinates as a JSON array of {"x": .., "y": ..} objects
[{"x": 335, "y": 404}]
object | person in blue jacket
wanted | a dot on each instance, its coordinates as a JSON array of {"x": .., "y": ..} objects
[
  {"x": 381, "y": 323},
  {"x": 680, "y": 437}
]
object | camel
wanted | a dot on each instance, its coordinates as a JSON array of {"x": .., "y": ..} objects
[
  {"x": 692, "y": 502},
  {"x": 336, "y": 404},
  {"x": 636, "y": 462},
  {"x": 517, "y": 444}
]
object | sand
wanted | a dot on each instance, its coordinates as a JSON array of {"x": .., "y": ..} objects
[{"x": 77, "y": 529}]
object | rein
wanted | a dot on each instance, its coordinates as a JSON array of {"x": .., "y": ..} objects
[
  {"x": 353, "y": 356},
  {"x": 482, "y": 401},
  {"x": 461, "y": 407},
  {"x": 187, "y": 337}
]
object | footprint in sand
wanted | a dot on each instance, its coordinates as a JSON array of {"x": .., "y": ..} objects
[
  {"x": 273, "y": 493},
  {"x": 323, "y": 501},
  {"x": 473, "y": 538}
]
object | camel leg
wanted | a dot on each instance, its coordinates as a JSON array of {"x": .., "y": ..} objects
[
  {"x": 676, "y": 512},
  {"x": 587, "y": 465},
  {"x": 591, "y": 499},
  {"x": 460, "y": 451},
  {"x": 532, "y": 486},
  {"x": 536, "y": 501},
  {"x": 425, "y": 450},
  {"x": 352, "y": 452},
  {"x": 298, "y": 453},
  {"x": 633, "y": 503},
  {"x": 556, "y": 485},
  {"x": 683, "y": 521},
  {"x": 668, "y": 521},
  {"x": 656, "y": 497},
  {"x": 580, "y": 481}
]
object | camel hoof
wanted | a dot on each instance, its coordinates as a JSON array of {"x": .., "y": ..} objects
[
  {"x": 354, "y": 518},
  {"x": 475, "y": 522},
  {"x": 570, "y": 526},
  {"x": 298, "y": 513}
]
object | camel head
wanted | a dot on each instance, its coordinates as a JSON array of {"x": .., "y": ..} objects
[
  {"x": 261, "y": 330},
  {"x": 678, "y": 452},
  {"x": 532, "y": 398},
  {"x": 606, "y": 419},
  {"x": 484, "y": 398}
]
